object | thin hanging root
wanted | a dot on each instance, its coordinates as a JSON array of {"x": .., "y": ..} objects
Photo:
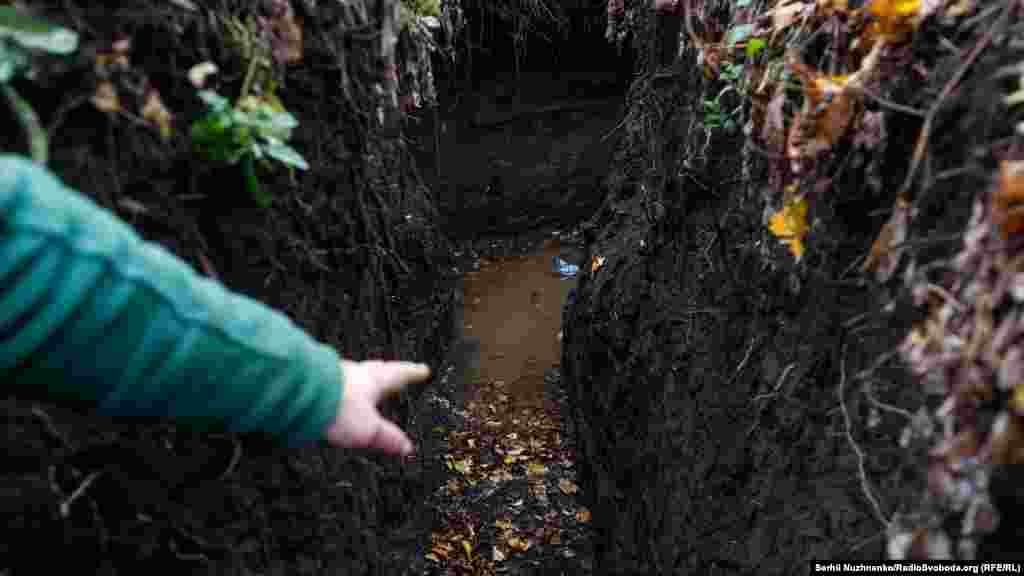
[
  {"x": 865, "y": 484},
  {"x": 65, "y": 506}
]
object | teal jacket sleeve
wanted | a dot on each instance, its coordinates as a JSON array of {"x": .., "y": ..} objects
[{"x": 90, "y": 312}]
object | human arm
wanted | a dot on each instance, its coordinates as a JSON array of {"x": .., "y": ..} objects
[{"x": 90, "y": 312}]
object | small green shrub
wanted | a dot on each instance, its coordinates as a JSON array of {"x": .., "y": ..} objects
[{"x": 255, "y": 128}]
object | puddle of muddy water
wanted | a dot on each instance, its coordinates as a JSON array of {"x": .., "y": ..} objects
[{"x": 514, "y": 306}]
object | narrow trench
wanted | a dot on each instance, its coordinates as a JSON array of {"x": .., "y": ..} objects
[{"x": 517, "y": 150}]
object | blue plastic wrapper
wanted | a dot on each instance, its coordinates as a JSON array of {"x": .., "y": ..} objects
[{"x": 563, "y": 268}]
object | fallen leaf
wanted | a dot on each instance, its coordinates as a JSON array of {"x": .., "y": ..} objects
[
  {"x": 536, "y": 469},
  {"x": 583, "y": 516},
  {"x": 518, "y": 544},
  {"x": 567, "y": 487},
  {"x": 553, "y": 536},
  {"x": 468, "y": 549},
  {"x": 440, "y": 550},
  {"x": 497, "y": 555},
  {"x": 595, "y": 263},
  {"x": 501, "y": 475},
  {"x": 503, "y": 524},
  {"x": 539, "y": 491},
  {"x": 105, "y": 98}
]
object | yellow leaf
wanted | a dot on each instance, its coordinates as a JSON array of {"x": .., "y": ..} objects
[
  {"x": 503, "y": 524},
  {"x": 536, "y": 469},
  {"x": 468, "y": 549},
  {"x": 790, "y": 225},
  {"x": 567, "y": 487}
]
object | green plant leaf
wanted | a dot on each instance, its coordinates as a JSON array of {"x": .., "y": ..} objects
[
  {"x": 38, "y": 139},
  {"x": 283, "y": 121},
  {"x": 285, "y": 154},
  {"x": 215, "y": 101},
  {"x": 755, "y": 46},
  {"x": 33, "y": 32},
  {"x": 269, "y": 122},
  {"x": 13, "y": 59},
  {"x": 738, "y": 34}
]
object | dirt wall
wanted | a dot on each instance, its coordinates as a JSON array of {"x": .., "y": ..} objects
[{"x": 349, "y": 251}]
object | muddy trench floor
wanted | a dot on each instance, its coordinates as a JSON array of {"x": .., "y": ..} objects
[{"x": 509, "y": 504}]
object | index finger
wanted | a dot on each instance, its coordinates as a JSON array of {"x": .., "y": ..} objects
[{"x": 394, "y": 376}]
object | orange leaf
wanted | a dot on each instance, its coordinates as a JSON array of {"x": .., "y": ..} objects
[
  {"x": 829, "y": 109},
  {"x": 897, "y": 19},
  {"x": 1008, "y": 198},
  {"x": 789, "y": 225},
  {"x": 583, "y": 516},
  {"x": 894, "y": 232}
]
